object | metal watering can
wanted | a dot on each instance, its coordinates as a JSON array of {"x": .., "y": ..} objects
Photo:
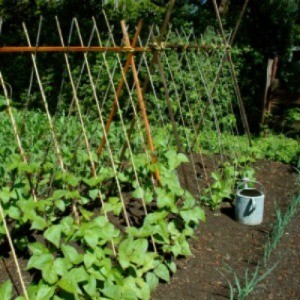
[{"x": 249, "y": 206}]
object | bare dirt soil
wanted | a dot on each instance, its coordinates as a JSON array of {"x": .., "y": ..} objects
[{"x": 221, "y": 242}]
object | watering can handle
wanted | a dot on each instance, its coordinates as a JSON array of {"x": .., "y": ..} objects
[
  {"x": 253, "y": 204},
  {"x": 253, "y": 181}
]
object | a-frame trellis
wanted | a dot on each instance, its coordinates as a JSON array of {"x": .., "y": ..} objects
[{"x": 141, "y": 72}]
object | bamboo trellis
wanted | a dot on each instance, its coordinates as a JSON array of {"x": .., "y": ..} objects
[{"x": 145, "y": 84}]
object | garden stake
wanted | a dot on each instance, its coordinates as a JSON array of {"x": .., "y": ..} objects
[
  {"x": 127, "y": 141},
  {"x": 227, "y": 89},
  {"x": 212, "y": 106},
  {"x": 194, "y": 81},
  {"x": 10, "y": 275},
  {"x": 221, "y": 66},
  {"x": 99, "y": 49},
  {"x": 82, "y": 70},
  {"x": 159, "y": 41},
  {"x": 227, "y": 113},
  {"x": 141, "y": 103},
  {"x": 153, "y": 61},
  {"x": 130, "y": 92},
  {"x": 17, "y": 136},
  {"x": 51, "y": 127},
  {"x": 12, "y": 248},
  {"x": 132, "y": 124},
  {"x": 117, "y": 103},
  {"x": 95, "y": 96},
  {"x": 238, "y": 92},
  {"x": 185, "y": 54},
  {"x": 50, "y": 122},
  {"x": 119, "y": 89},
  {"x": 83, "y": 64},
  {"x": 13, "y": 121},
  {"x": 66, "y": 49},
  {"x": 154, "y": 89},
  {"x": 31, "y": 79},
  {"x": 143, "y": 55},
  {"x": 238, "y": 24},
  {"x": 210, "y": 101},
  {"x": 172, "y": 118},
  {"x": 88, "y": 147},
  {"x": 181, "y": 114},
  {"x": 75, "y": 97},
  {"x": 180, "y": 62}
]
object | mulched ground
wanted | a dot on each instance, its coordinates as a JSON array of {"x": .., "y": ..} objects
[{"x": 221, "y": 242}]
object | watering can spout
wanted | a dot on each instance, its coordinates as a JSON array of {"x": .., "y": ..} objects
[{"x": 245, "y": 180}]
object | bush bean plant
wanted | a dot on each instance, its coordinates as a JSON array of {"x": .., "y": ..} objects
[{"x": 75, "y": 258}]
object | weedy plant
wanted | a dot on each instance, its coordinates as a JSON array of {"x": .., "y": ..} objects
[
  {"x": 225, "y": 182},
  {"x": 240, "y": 290}
]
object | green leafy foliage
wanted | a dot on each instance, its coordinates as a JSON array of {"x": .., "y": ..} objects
[
  {"x": 93, "y": 255},
  {"x": 76, "y": 256},
  {"x": 6, "y": 290}
]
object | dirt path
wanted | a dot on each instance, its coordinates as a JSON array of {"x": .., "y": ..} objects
[{"x": 222, "y": 241}]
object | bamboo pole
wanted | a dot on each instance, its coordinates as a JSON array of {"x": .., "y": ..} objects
[
  {"x": 141, "y": 103},
  {"x": 236, "y": 86},
  {"x": 83, "y": 128},
  {"x": 153, "y": 62},
  {"x": 17, "y": 136},
  {"x": 217, "y": 78},
  {"x": 50, "y": 121},
  {"x": 120, "y": 112},
  {"x": 12, "y": 248},
  {"x": 96, "y": 99},
  {"x": 119, "y": 89},
  {"x": 172, "y": 116}
]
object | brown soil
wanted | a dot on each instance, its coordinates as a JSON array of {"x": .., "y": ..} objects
[{"x": 221, "y": 241}]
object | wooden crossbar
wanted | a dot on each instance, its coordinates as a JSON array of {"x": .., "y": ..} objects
[
  {"x": 14, "y": 49},
  {"x": 156, "y": 47}
]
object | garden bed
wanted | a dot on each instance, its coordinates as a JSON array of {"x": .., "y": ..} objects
[{"x": 221, "y": 241}]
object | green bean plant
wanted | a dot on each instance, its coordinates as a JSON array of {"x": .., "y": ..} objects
[{"x": 91, "y": 256}]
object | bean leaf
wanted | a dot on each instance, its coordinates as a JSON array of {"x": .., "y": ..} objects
[
  {"x": 162, "y": 272},
  {"x": 53, "y": 234},
  {"x": 6, "y": 290}
]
